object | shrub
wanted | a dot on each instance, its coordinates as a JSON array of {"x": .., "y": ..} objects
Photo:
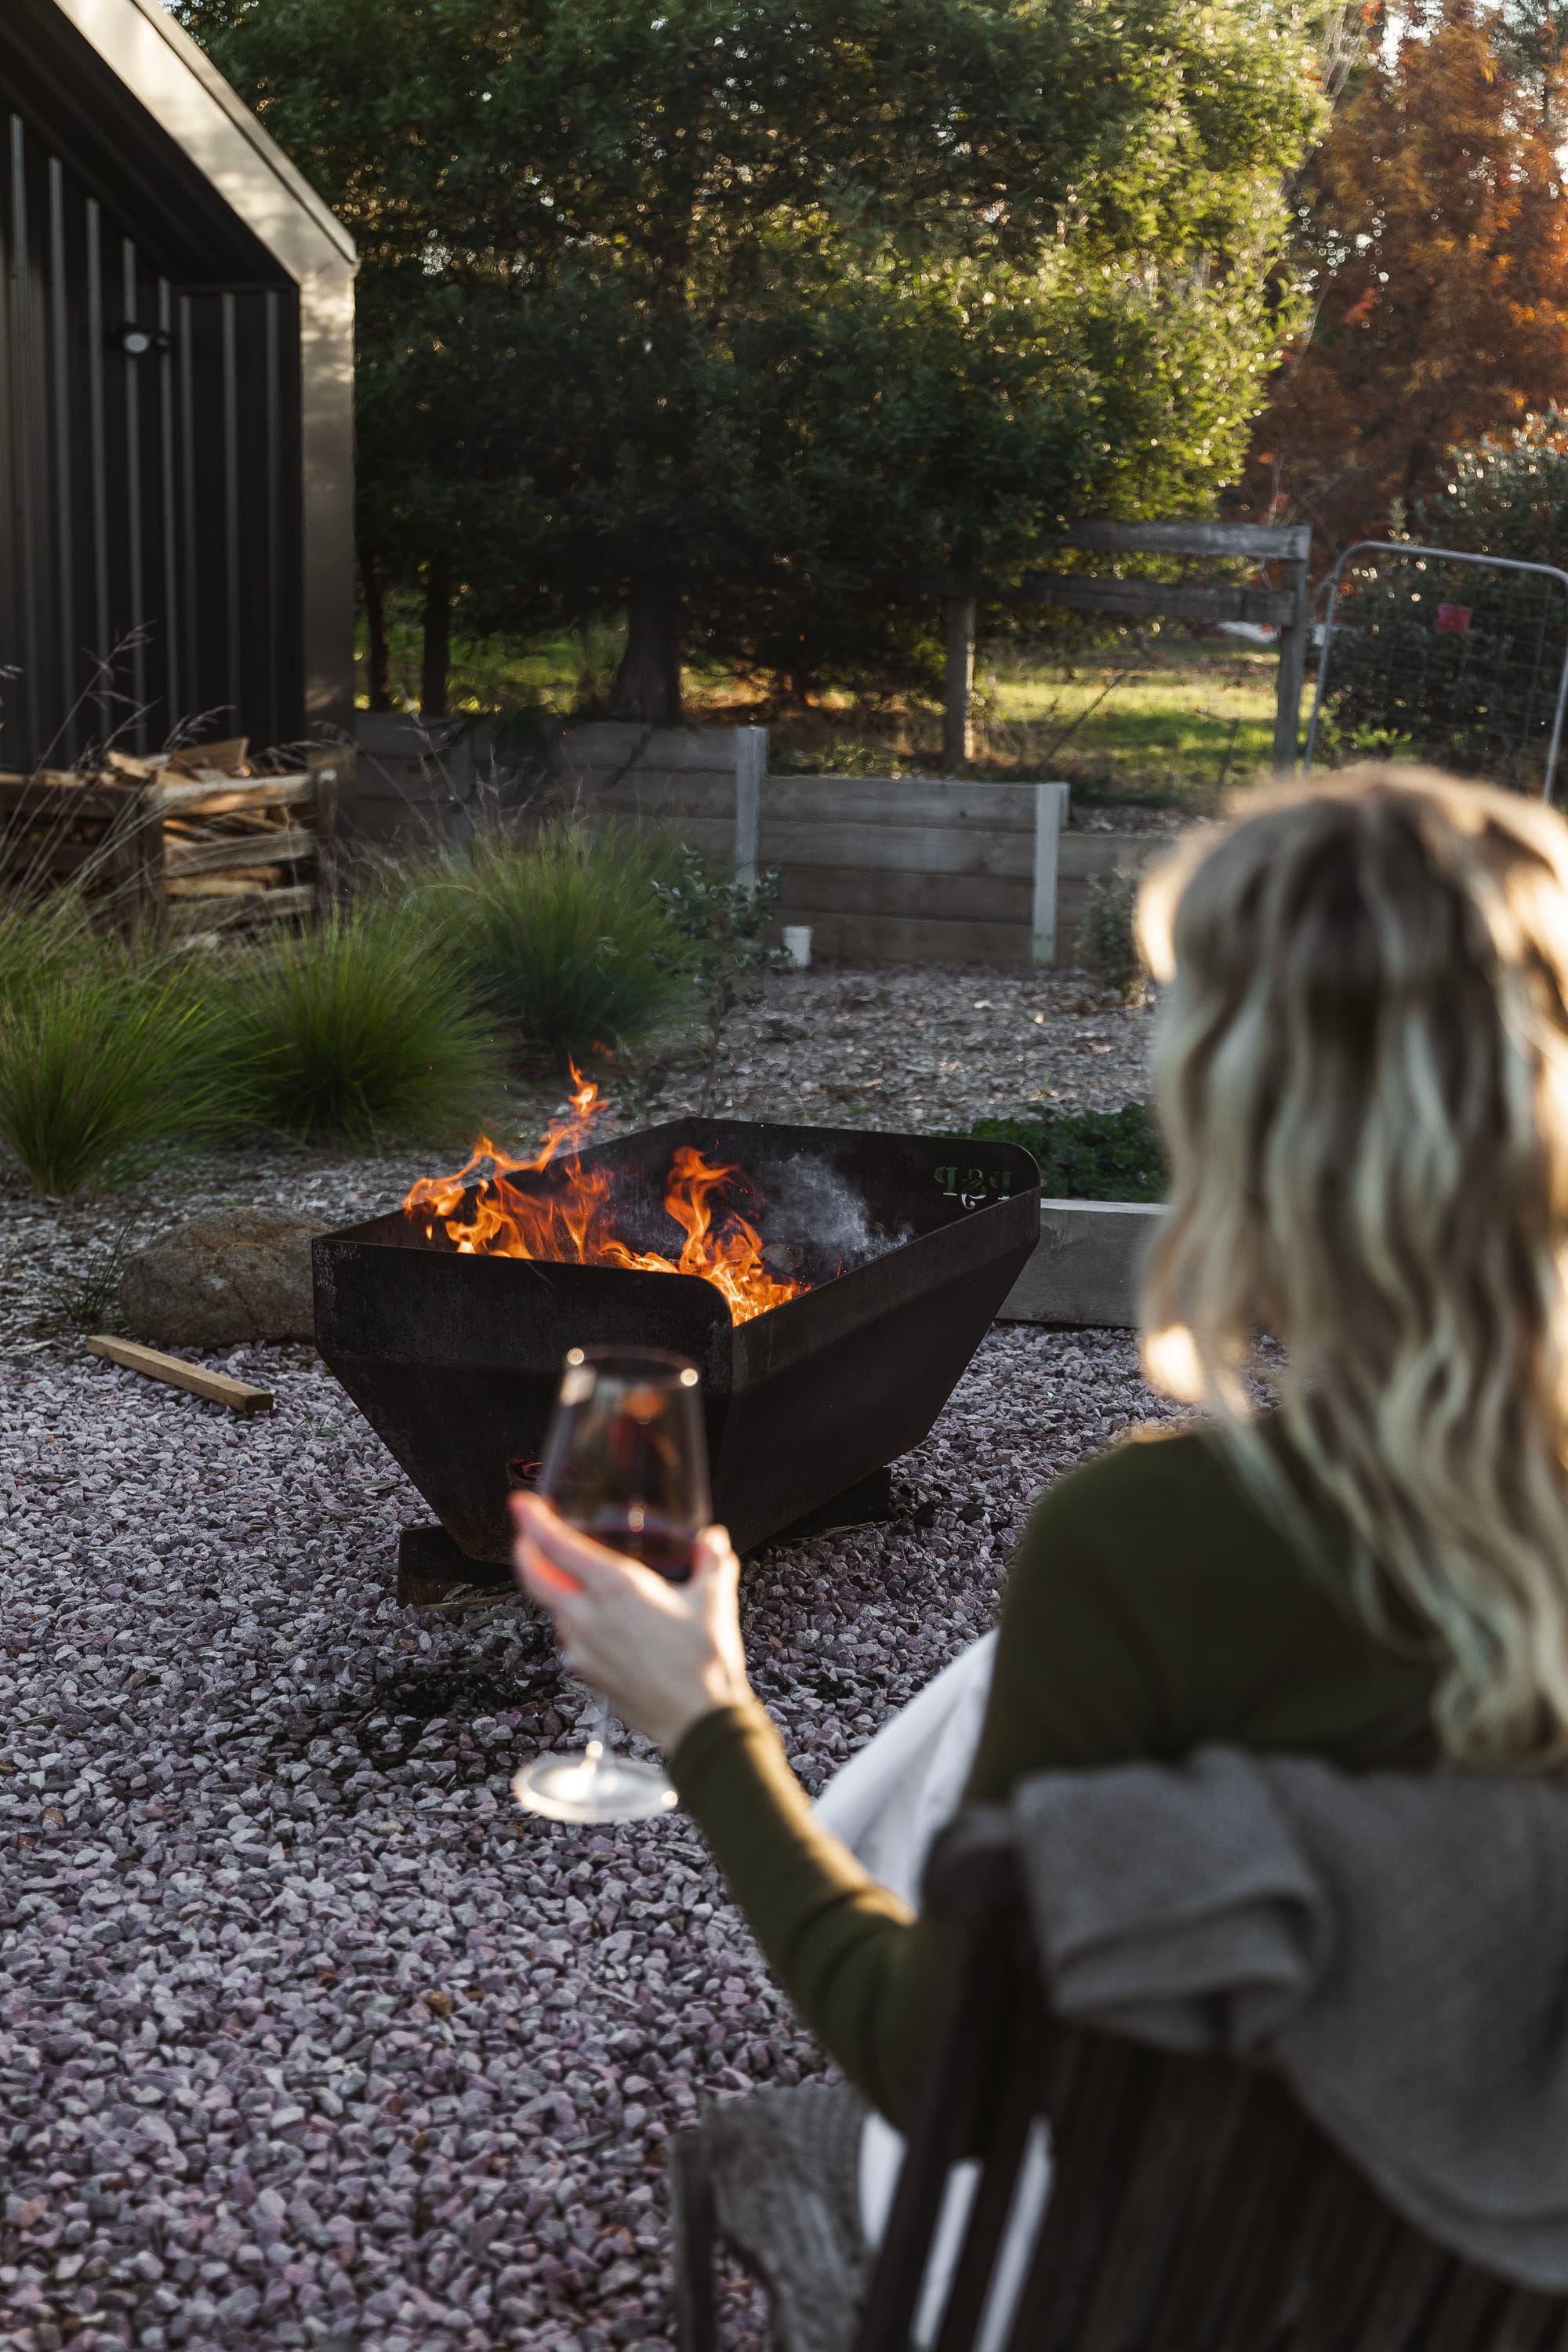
[
  {"x": 103, "y": 1063},
  {"x": 720, "y": 925},
  {"x": 361, "y": 1029},
  {"x": 562, "y": 935},
  {"x": 1089, "y": 1155},
  {"x": 1108, "y": 937}
]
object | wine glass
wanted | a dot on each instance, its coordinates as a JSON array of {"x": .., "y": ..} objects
[{"x": 625, "y": 1460}]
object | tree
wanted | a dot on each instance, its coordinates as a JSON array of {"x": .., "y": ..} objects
[
  {"x": 724, "y": 315},
  {"x": 1506, "y": 494},
  {"x": 1434, "y": 236}
]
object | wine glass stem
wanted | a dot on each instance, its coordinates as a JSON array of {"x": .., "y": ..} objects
[{"x": 596, "y": 1725}]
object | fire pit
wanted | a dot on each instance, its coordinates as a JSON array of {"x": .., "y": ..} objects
[{"x": 831, "y": 1283}]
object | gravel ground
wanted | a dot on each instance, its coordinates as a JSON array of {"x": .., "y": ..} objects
[
  {"x": 933, "y": 1049},
  {"x": 895, "y": 1046},
  {"x": 304, "y": 2033}
]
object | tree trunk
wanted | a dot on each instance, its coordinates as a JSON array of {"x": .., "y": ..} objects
[
  {"x": 437, "y": 652},
  {"x": 378, "y": 662},
  {"x": 647, "y": 683}
]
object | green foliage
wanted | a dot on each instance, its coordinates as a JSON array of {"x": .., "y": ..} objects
[
  {"x": 363, "y": 1029},
  {"x": 1401, "y": 684},
  {"x": 1482, "y": 700},
  {"x": 1506, "y": 494},
  {"x": 1108, "y": 933},
  {"x": 103, "y": 1063},
  {"x": 1089, "y": 1155},
  {"x": 720, "y": 928},
  {"x": 726, "y": 312},
  {"x": 562, "y": 935}
]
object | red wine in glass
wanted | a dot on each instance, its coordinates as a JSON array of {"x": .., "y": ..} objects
[
  {"x": 625, "y": 1460},
  {"x": 661, "y": 1544}
]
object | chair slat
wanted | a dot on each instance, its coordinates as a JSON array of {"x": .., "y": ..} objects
[
  {"x": 1352, "y": 2254},
  {"x": 691, "y": 2230},
  {"x": 1093, "y": 2136},
  {"x": 1278, "y": 2148},
  {"x": 955, "y": 2112},
  {"x": 1021, "y": 2106},
  {"x": 1204, "y": 2274},
  {"x": 1527, "y": 2322},
  {"x": 1464, "y": 2318},
  {"x": 1415, "y": 2274},
  {"x": 1179, "y": 2147}
]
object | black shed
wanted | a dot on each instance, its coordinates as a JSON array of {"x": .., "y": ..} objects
[{"x": 177, "y": 396}]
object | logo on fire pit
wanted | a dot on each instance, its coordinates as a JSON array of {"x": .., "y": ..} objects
[{"x": 978, "y": 1186}]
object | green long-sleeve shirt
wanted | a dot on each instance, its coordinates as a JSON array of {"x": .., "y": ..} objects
[{"x": 1151, "y": 1607}]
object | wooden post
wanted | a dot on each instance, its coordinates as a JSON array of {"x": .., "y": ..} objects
[
  {"x": 327, "y": 780},
  {"x": 1293, "y": 641},
  {"x": 1051, "y": 815},
  {"x": 958, "y": 724},
  {"x": 140, "y": 865},
  {"x": 751, "y": 767}
]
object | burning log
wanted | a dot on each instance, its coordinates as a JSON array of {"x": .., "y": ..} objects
[
  {"x": 575, "y": 1223},
  {"x": 446, "y": 1320}
]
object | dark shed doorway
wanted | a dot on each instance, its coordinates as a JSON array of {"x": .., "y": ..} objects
[{"x": 175, "y": 400}]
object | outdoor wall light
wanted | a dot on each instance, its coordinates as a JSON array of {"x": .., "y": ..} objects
[{"x": 137, "y": 342}]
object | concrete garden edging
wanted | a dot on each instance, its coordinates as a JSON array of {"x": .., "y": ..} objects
[{"x": 1086, "y": 1266}]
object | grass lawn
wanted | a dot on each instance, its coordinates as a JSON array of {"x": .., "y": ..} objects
[
  {"x": 1169, "y": 722},
  {"x": 1166, "y": 719}
]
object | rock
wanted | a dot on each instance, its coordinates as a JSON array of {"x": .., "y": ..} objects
[{"x": 230, "y": 1274}]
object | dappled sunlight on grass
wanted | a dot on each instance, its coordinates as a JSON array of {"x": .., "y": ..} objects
[{"x": 1175, "y": 723}]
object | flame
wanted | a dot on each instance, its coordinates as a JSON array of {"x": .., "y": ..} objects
[{"x": 482, "y": 1214}]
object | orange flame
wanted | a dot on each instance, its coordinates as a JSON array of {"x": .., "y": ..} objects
[{"x": 571, "y": 1224}]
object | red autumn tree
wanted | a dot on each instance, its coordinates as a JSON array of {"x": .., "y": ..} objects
[{"x": 1435, "y": 241}]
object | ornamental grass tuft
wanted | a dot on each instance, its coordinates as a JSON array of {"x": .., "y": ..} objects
[
  {"x": 105, "y": 1062},
  {"x": 564, "y": 936},
  {"x": 363, "y": 1030}
]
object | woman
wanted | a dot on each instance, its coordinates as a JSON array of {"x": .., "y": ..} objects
[{"x": 1362, "y": 1078}]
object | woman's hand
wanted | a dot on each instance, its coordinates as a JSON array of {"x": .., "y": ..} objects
[{"x": 664, "y": 1654}]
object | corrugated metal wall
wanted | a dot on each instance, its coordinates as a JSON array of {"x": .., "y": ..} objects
[{"x": 149, "y": 505}]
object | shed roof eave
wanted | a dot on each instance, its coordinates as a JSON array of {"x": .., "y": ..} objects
[{"x": 164, "y": 70}]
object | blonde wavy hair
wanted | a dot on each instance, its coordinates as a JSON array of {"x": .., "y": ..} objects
[{"x": 1362, "y": 1078}]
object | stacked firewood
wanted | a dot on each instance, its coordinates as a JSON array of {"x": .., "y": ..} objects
[{"x": 198, "y": 840}]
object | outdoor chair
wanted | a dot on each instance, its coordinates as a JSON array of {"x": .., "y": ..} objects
[{"x": 1194, "y": 2207}]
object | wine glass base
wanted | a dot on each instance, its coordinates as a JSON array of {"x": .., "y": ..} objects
[{"x": 606, "y": 1788}]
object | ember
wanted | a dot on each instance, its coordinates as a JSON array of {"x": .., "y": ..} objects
[{"x": 574, "y": 1221}]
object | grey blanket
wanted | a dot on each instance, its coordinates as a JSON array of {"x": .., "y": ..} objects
[{"x": 1397, "y": 1946}]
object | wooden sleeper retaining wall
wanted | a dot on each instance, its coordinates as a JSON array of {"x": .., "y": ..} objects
[{"x": 906, "y": 869}]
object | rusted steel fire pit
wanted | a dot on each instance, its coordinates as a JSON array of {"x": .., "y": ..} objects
[{"x": 848, "y": 1279}]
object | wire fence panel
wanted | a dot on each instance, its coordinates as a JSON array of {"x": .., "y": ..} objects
[{"x": 1427, "y": 653}]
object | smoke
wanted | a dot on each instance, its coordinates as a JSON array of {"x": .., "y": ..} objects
[{"x": 815, "y": 1212}]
